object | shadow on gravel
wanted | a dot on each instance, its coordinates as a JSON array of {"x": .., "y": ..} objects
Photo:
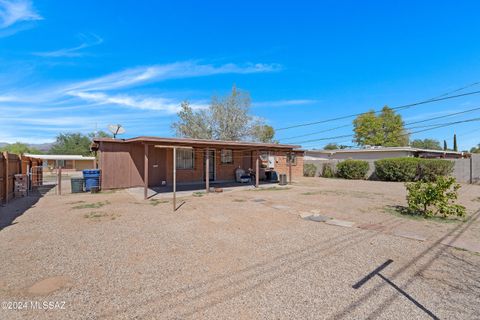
[
  {"x": 16, "y": 207},
  {"x": 414, "y": 262},
  {"x": 219, "y": 289}
]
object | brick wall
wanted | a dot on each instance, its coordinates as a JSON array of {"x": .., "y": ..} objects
[{"x": 281, "y": 165}]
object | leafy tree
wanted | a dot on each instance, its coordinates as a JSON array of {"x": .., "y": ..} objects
[
  {"x": 227, "y": 118},
  {"x": 387, "y": 129},
  {"x": 71, "y": 143},
  {"x": 475, "y": 149},
  {"x": 263, "y": 133},
  {"x": 431, "y": 144},
  {"x": 19, "y": 148},
  {"x": 455, "y": 147},
  {"x": 193, "y": 124},
  {"x": 331, "y": 146},
  {"x": 445, "y": 147},
  {"x": 99, "y": 134},
  {"x": 334, "y": 146}
]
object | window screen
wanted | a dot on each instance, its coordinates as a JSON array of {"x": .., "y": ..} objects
[
  {"x": 227, "y": 156},
  {"x": 185, "y": 158}
]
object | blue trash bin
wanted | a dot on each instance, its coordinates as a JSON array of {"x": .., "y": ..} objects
[{"x": 92, "y": 179}]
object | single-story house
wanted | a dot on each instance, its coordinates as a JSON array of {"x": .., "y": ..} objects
[
  {"x": 376, "y": 153},
  {"x": 149, "y": 161},
  {"x": 51, "y": 162}
]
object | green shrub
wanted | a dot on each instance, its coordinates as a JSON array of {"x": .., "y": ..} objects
[
  {"x": 352, "y": 169},
  {"x": 309, "y": 170},
  {"x": 328, "y": 171},
  {"x": 434, "y": 198},
  {"x": 397, "y": 169},
  {"x": 430, "y": 169},
  {"x": 412, "y": 169}
]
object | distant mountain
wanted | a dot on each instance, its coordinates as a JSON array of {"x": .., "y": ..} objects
[{"x": 44, "y": 147}]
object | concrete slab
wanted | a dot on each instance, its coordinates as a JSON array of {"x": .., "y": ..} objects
[
  {"x": 409, "y": 235},
  {"x": 340, "y": 223},
  {"x": 280, "y": 207},
  {"x": 258, "y": 200},
  {"x": 372, "y": 226},
  {"x": 319, "y": 218},
  {"x": 464, "y": 244},
  {"x": 305, "y": 215}
]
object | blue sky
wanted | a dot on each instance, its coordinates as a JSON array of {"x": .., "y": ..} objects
[{"x": 68, "y": 66}]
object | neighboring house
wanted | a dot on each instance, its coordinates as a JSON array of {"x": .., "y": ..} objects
[
  {"x": 51, "y": 162},
  {"x": 376, "y": 153},
  {"x": 148, "y": 161}
]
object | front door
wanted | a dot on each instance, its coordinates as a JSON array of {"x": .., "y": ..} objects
[{"x": 211, "y": 164}]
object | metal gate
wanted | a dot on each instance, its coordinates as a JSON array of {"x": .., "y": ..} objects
[{"x": 43, "y": 181}]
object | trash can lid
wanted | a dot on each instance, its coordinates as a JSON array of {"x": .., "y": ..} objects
[{"x": 91, "y": 171}]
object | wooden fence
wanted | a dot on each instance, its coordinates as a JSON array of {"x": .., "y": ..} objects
[{"x": 10, "y": 165}]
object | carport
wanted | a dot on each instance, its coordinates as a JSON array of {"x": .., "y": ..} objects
[{"x": 156, "y": 161}]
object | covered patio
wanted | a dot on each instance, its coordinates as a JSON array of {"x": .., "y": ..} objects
[{"x": 166, "y": 165}]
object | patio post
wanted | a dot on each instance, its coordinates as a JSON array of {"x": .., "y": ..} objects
[
  {"x": 257, "y": 170},
  {"x": 174, "y": 179},
  {"x": 145, "y": 173},
  {"x": 207, "y": 170}
]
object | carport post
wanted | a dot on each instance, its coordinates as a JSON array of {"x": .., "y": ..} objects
[
  {"x": 257, "y": 170},
  {"x": 207, "y": 171},
  {"x": 174, "y": 178},
  {"x": 145, "y": 173}
]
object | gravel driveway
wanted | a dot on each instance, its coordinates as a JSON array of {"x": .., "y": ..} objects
[{"x": 237, "y": 255}]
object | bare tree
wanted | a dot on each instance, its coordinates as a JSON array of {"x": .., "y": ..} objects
[{"x": 227, "y": 118}]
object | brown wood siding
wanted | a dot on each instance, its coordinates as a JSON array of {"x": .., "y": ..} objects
[
  {"x": 121, "y": 165},
  {"x": 157, "y": 171}
]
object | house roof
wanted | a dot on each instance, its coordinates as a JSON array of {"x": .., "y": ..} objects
[
  {"x": 57, "y": 157},
  {"x": 386, "y": 149},
  {"x": 197, "y": 142}
]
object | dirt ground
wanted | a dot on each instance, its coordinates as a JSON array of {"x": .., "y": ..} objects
[{"x": 238, "y": 255}]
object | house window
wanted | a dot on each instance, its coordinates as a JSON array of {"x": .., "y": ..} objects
[
  {"x": 185, "y": 158},
  {"x": 227, "y": 156},
  {"x": 61, "y": 163}
]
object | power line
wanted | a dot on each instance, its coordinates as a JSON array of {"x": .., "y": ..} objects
[
  {"x": 377, "y": 111},
  {"x": 430, "y": 128},
  {"x": 408, "y": 124}
]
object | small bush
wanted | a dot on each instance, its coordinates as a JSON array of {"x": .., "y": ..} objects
[
  {"x": 397, "y": 169},
  {"x": 328, "y": 171},
  {"x": 430, "y": 169},
  {"x": 435, "y": 198},
  {"x": 352, "y": 169},
  {"x": 412, "y": 169},
  {"x": 309, "y": 170}
]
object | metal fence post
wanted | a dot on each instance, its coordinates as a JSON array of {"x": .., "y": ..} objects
[{"x": 59, "y": 181}]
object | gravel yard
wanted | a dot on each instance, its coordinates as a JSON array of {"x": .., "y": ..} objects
[{"x": 239, "y": 255}]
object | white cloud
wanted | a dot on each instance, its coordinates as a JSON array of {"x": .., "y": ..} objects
[
  {"x": 144, "y": 103},
  {"x": 88, "y": 40},
  {"x": 81, "y": 106},
  {"x": 177, "y": 70},
  {"x": 15, "y": 11}
]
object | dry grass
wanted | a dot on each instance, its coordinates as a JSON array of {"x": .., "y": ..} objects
[{"x": 94, "y": 205}]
